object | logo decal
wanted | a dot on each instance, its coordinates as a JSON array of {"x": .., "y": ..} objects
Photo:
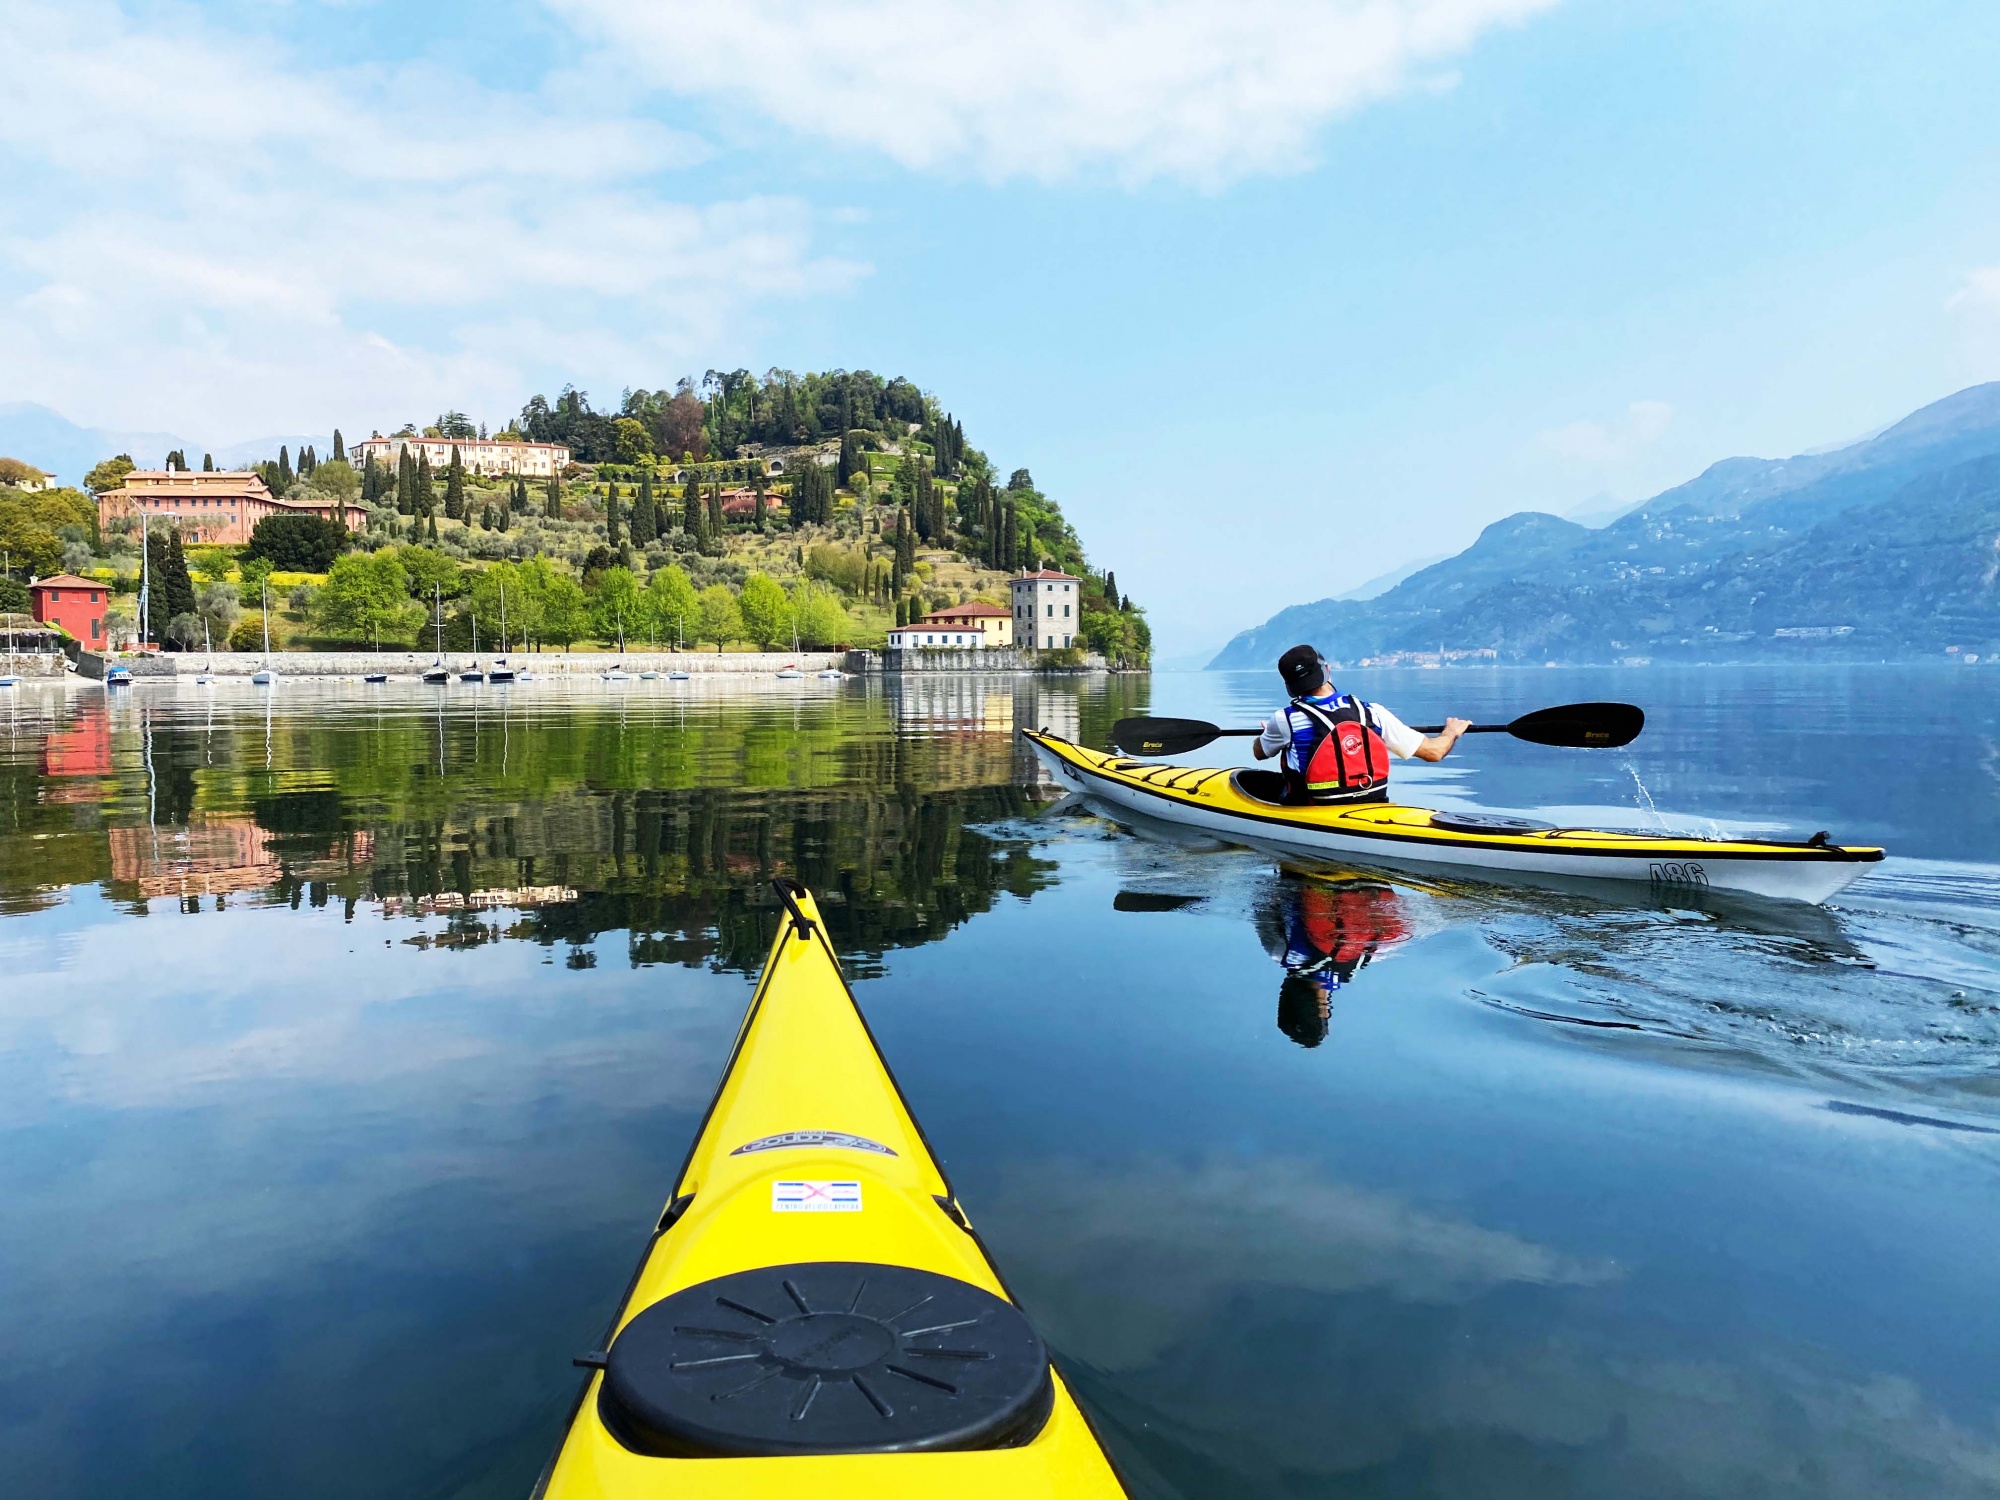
[
  {"x": 784, "y": 1140},
  {"x": 815, "y": 1197},
  {"x": 1678, "y": 872}
]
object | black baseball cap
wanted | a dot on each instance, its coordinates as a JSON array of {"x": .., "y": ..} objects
[{"x": 1303, "y": 669}]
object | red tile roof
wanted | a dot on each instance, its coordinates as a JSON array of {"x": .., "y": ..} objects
[
  {"x": 67, "y": 581},
  {"x": 1050, "y": 573}
]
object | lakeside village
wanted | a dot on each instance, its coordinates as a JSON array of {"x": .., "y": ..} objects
[{"x": 834, "y": 511}]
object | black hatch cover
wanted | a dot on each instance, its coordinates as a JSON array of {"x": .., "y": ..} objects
[{"x": 826, "y": 1357}]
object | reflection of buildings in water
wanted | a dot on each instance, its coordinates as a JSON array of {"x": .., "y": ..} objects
[
  {"x": 949, "y": 701},
  {"x": 216, "y": 857},
  {"x": 1324, "y": 931},
  {"x": 83, "y": 749}
]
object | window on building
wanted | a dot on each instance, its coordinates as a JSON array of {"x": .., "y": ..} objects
[{"x": 1065, "y": 611}]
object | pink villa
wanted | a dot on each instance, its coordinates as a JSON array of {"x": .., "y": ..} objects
[{"x": 220, "y": 506}]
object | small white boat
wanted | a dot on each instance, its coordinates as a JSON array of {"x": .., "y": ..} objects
[
  {"x": 615, "y": 674},
  {"x": 376, "y": 677},
  {"x": 117, "y": 677},
  {"x": 831, "y": 674},
  {"x": 499, "y": 671},
  {"x": 648, "y": 675},
  {"x": 677, "y": 677},
  {"x": 7, "y": 678},
  {"x": 206, "y": 676},
  {"x": 790, "y": 674},
  {"x": 264, "y": 676}
]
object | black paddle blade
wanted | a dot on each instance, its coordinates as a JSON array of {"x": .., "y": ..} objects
[
  {"x": 1590, "y": 726},
  {"x": 1162, "y": 736}
]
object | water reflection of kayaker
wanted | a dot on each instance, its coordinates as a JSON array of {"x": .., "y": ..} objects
[
  {"x": 1324, "y": 933},
  {"x": 1335, "y": 747}
]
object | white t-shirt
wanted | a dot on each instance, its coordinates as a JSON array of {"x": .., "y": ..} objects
[{"x": 1398, "y": 736}]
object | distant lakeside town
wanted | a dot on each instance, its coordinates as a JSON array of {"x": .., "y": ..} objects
[{"x": 835, "y": 511}]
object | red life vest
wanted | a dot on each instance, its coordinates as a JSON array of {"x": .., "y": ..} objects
[
  {"x": 1342, "y": 760},
  {"x": 1349, "y": 923}
]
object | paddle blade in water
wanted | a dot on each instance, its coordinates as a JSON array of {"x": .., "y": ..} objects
[
  {"x": 1592, "y": 726},
  {"x": 1162, "y": 736}
]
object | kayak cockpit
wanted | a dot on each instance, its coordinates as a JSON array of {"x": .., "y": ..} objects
[{"x": 1260, "y": 786}]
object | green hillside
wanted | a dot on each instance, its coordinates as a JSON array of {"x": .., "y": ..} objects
[{"x": 741, "y": 512}]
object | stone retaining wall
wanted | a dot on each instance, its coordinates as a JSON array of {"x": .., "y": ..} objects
[{"x": 412, "y": 664}]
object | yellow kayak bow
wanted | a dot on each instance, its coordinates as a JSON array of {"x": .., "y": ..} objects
[{"x": 814, "y": 1315}]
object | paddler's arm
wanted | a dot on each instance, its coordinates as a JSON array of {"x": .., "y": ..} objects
[
  {"x": 1405, "y": 742},
  {"x": 1276, "y": 736},
  {"x": 1438, "y": 746}
]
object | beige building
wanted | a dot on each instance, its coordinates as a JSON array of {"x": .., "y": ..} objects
[
  {"x": 220, "y": 506},
  {"x": 994, "y": 624},
  {"x": 479, "y": 455},
  {"x": 1048, "y": 609}
]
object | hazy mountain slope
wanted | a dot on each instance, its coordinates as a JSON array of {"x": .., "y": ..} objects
[{"x": 1889, "y": 537}]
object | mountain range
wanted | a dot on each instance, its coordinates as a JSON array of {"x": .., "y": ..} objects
[
  {"x": 1886, "y": 549},
  {"x": 37, "y": 435}
]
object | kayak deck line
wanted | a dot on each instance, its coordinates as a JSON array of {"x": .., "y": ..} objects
[
  {"x": 814, "y": 1313},
  {"x": 1221, "y": 800}
]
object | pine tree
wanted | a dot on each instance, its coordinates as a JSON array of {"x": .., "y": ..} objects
[
  {"x": 454, "y": 487},
  {"x": 284, "y": 469},
  {"x": 553, "y": 508},
  {"x": 339, "y": 449},
  {"x": 611, "y": 513}
]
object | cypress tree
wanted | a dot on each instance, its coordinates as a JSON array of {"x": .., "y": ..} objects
[
  {"x": 208, "y": 463},
  {"x": 506, "y": 516},
  {"x": 554, "y": 503},
  {"x": 1111, "y": 588},
  {"x": 611, "y": 513},
  {"x": 691, "y": 508},
  {"x": 715, "y": 521},
  {"x": 284, "y": 469},
  {"x": 757, "y": 485},
  {"x": 406, "y": 483},
  {"x": 644, "y": 524},
  {"x": 339, "y": 448},
  {"x": 424, "y": 497},
  {"x": 850, "y": 456},
  {"x": 454, "y": 487},
  {"x": 431, "y": 527}
]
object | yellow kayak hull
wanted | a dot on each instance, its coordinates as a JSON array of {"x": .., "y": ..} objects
[
  {"x": 1214, "y": 800},
  {"x": 806, "y": 1099}
]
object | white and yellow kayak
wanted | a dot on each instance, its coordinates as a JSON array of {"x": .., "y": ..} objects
[
  {"x": 814, "y": 1316},
  {"x": 1241, "y": 806}
]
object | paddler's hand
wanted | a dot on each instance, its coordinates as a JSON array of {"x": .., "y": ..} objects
[{"x": 1438, "y": 746}]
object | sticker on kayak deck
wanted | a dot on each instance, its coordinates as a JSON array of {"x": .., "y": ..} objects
[
  {"x": 790, "y": 1138},
  {"x": 815, "y": 1197}
]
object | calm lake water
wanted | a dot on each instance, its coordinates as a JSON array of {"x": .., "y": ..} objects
[{"x": 314, "y": 1183}]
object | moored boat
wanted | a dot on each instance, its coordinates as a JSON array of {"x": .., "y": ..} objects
[
  {"x": 1242, "y": 806},
  {"x": 814, "y": 1314}
]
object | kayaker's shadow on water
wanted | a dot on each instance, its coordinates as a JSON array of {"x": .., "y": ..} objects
[{"x": 1324, "y": 931}]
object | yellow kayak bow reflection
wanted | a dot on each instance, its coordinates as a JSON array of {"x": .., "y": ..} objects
[{"x": 814, "y": 1315}]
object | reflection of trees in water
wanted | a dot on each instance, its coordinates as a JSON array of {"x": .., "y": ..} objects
[
  {"x": 669, "y": 820},
  {"x": 688, "y": 874}
]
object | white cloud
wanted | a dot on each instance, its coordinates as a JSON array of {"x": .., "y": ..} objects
[
  {"x": 1042, "y": 89},
  {"x": 1980, "y": 292},
  {"x": 201, "y": 226},
  {"x": 1606, "y": 444}
]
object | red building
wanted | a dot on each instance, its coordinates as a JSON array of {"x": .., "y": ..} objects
[{"x": 76, "y": 604}]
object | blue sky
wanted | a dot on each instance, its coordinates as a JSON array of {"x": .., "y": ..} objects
[{"x": 1273, "y": 297}]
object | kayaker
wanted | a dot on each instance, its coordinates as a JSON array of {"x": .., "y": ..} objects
[
  {"x": 1336, "y": 748},
  {"x": 1326, "y": 933}
]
